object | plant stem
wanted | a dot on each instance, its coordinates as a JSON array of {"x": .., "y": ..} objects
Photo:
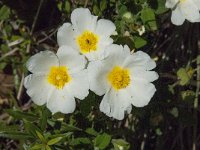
[
  {"x": 196, "y": 101},
  {"x": 86, "y": 2},
  {"x": 36, "y": 16}
]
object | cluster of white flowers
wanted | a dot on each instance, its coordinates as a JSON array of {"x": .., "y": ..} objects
[
  {"x": 184, "y": 9},
  {"x": 88, "y": 59}
]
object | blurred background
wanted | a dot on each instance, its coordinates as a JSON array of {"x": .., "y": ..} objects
[{"x": 169, "y": 122}]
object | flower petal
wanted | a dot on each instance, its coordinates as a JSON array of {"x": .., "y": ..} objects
[
  {"x": 66, "y": 35},
  {"x": 71, "y": 58},
  {"x": 189, "y": 10},
  {"x": 79, "y": 86},
  {"x": 171, "y": 3},
  {"x": 177, "y": 17},
  {"x": 197, "y": 3},
  {"x": 105, "y": 27},
  {"x": 97, "y": 73},
  {"x": 140, "y": 73},
  {"x": 41, "y": 62},
  {"x": 115, "y": 103},
  {"x": 38, "y": 88},
  {"x": 61, "y": 101},
  {"x": 115, "y": 54},
  {"x": 83, "y": 20},
  {"x": 141, "y": 92},
  {"x": 139, "y": 59}
]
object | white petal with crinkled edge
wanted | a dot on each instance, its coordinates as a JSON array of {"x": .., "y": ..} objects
[
  {"x": 72, "y": 59},
  {"x": 103, "y": 42},
  {"x": 171, "y": 3},
  {"x": 38, "y": 88},
  {"x": 141, "y": 92},
  {"x": 41, "y": 62},
  {"x": 82, "y": 20},
  {"x": 105, "y": 28},
  {"x": 115, "y": 103},
  {"x": 97, "y": 73},
  {"x": 95, "y": 55},
  {"x": 66, "y": 35},
  {"x": 177, "y": 17},
  {"x": 140, "y": 73},
  {"x": 189, "y": 10},
  {"x": 116, "y": 54},
  {"x": 139, "y": 59},
  {"x": 79, "y": 85},
  {"x": 61, "y": 101},
  {"x": 197, "y": 3}
]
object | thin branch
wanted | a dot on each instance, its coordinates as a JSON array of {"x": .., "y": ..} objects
[
  {"x": 196, "y": 103},
  {"x": 19, "y": 94},
  {"x": 11, "y": 52},
  {"x": 36, "y": 16},
  {"x": 86, "y": 3}
]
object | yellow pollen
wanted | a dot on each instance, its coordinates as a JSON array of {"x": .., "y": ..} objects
[
  {"x": 58, "y": 76},
  {"x": 119, "y": 78},
  {"x": 87, "y": 41}
]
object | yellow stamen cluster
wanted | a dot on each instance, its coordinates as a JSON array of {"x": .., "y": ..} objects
[
  {"x": 87, "y": 42},
  {"x": 58, "y": 76},
  {"x": 119, "y": 78}
]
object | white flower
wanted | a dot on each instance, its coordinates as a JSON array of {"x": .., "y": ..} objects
[
  {"x": 87, "y": 35},
  {"x": 124, "y": 78},
  {"x": 184, "y": 9},
  {"x": 57, "y": 79}
]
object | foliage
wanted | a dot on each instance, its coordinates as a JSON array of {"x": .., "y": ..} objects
[{"x": 168, "y": 122}]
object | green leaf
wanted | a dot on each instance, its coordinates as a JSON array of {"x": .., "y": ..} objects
[
  {"x": 122, "y": 10},
  {"x": 158, "y": 132},
  {"x": 21, "y": 115},
  {"x": 2, "y": 65},
  {"x": 43, "y": 118},
  {"x": 67, "y": 127},
  {"x": 174, "y": 112},
  {"x": 185, "y": 75},
  {"x": 96, "y": 10},
  {"x": 139, "y": 42},
  {"x": 67, "y": 6},
  {"x": 120, "y": 144},
  {"x": 48, "y": 147},
  {"x": 148, "y": 18},
  {"x": 4, "y": 127},
  {"x": 63, "y": 135},
  {"x": 15, "y": 135},
  {"x": 161, "y": 7},
  {"x": 37, "y": 146},
  {"x": 126, "y": 41},
  {"x": 91, "y": 131},
  {"x": 41, "y": 137},
  {"x": 103, "y": 5},
  {"x": 4, "y": 13},
  {"x": 128, "y": 17},
  {"x": 54, "y": 141},
  {"x": 31, "y": 128},
  {"x": 188, "y": 96},
  {"x": 81, "y": 140},
  {"x": 102, "y": 141}
]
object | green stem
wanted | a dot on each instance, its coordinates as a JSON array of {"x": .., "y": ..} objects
[
  {"x": 196, "y": 103},
  {"x": 86, "y": 2}
]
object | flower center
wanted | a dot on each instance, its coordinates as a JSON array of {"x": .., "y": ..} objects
[
  {"x": 119, "y": 78},
  {"x": 87, "y": 41},
  {"x": 58, "y": 76}
]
